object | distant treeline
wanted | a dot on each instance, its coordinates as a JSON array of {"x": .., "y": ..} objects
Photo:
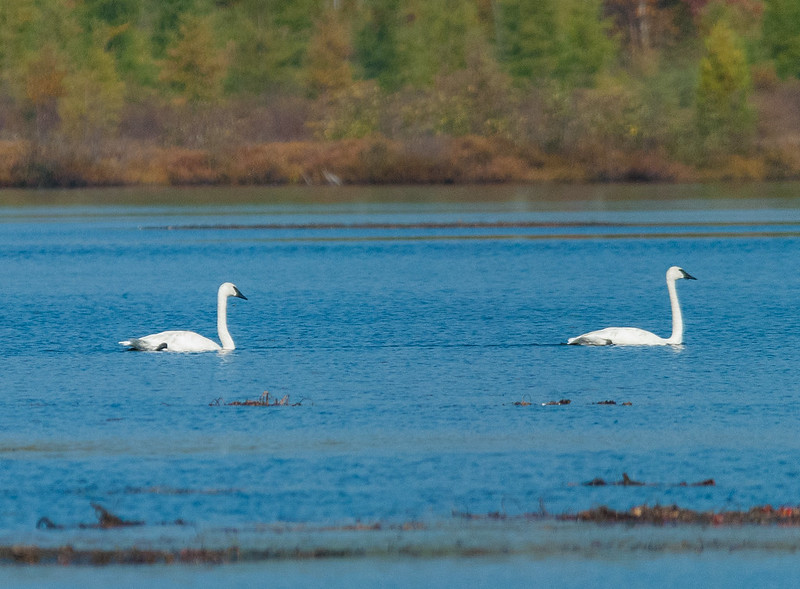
[{"x": 282, "y": 91}]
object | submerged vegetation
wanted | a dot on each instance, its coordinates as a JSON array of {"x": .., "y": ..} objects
[
  {"x": 282, "y": 541},
  {"x": 111, "y": 92},
  {"x": 262, "y": 401}
]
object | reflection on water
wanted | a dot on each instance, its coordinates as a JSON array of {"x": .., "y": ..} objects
[
  {"x": 540, "y": 197},
  {"x": 407, "y": 323}
]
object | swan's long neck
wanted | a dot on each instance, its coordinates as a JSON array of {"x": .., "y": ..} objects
[
  {"x": 677, "y": 317},
  {"x": 222, "y": 323}
]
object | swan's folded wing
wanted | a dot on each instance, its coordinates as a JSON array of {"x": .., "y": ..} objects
[
  {"x": 589, "y": 339},
  {"x": 618, "y": 336},
  {"x": 150, "y": 343},
  {"x": 173, "y": 341},
  {"x": 188, "y": 341}
]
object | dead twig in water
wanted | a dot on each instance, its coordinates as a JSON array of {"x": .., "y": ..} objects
[
  {"x": 264, "y": 401},
  {"x": 526, "y": 402},
  {"x": 628, "y": 482},
  {"x": 105, "y": 520}
]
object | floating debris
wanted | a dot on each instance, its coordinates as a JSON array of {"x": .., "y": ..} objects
[
  {"x": 262, "y": 401},
  {"x": 109, "y": 520},
  {"x": 625, "y": 482},
  {"x": 106, "y": 521},
  {"x": 760, "y": 515},
  {"x": 657, "y": 515},
  {"x": 705, "y": 483},
  {"x": 628, "y": 482},
  {"x": 494, "y": 515},
  {"x": 45, "y": 523},
  {"x": 526, "y": 402}
]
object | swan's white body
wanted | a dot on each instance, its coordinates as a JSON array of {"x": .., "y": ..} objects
[
  {"x": 633, "y": 336},
  {"x": 189, "y": 341}
]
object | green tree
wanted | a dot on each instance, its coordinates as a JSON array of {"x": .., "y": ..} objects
[
  {"x": 328, "y": 58},
  {"x": 113, "y": 12},
  {"x": 567, "y": 40},
  {"x": 724, "y": 117},
  {"x": 17, "y": 31},
  {"x": 194, "y": 68},
  {"x": 584, "y": 45},
  {"x": 28, "y": 29},
  {"x": 781, "y": 29},
  {"x": 527, "y": 37},
  {"x": 120, "y": 23},
  {"x": 270, "y": 39},
  {"x": 377, "y": 44},
  {"x": 434, "y": 39},
  {"x": 93, "y": 99},
  {"x": 165, "y": 18}
]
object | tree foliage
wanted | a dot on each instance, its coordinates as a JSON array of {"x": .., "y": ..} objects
[
  {"x": 635, "y": 74},
  {"x": 269, "y": 41},
  {"x": 565, "y": 40},
  {"x": 93, "y": 99},
  {"x": 782, "y": 35},
  {"x": 724, "y": 117},
  {"x": 194, "y": 68},
  {"x": 329, "y": 51},
  {"x": 378, "y": 45},
  {"x": 527, "y": 38}
]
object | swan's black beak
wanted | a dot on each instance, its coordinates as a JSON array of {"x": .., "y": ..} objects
[
  {"x": 237, "y": 293},
  {"x": 687, "y": 275}
]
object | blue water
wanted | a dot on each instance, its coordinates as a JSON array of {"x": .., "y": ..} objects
[{"x": 406, "y": 324}]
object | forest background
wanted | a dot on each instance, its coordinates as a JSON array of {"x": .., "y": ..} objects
[{"x": 122, "y": 92}]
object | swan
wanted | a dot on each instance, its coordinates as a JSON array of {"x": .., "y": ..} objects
[
  {"x": 189, "y": 341},
  {"x": 633, "y": 336}
]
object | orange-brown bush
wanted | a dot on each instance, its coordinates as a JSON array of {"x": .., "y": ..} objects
[
  {"x": 11, "y": 156},
  {"x": 372, "y": 160}
]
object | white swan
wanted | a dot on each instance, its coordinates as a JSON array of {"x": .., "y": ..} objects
[
  {"x": 633, "y": 336},
  {"x": 189, "y": 341}
]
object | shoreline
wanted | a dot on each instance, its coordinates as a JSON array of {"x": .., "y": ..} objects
[
  {"x": 597, "y": 532},
  {"x": 359, "y": 162}
]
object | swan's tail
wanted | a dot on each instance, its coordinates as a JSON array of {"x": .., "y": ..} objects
[{"x": 142, "y": 344}]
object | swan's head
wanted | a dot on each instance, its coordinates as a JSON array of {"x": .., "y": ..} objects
[
  {"x": 228, "y": 289},
  {"x": 676, "y": 273}
]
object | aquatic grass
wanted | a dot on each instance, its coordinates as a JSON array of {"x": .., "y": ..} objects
[{"x": 262, "y": 401}]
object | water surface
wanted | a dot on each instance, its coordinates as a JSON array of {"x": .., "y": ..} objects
[{"x": 406, "y": 322}]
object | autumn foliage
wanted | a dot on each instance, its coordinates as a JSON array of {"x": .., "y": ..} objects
[{"x": 111, "y": 92}]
